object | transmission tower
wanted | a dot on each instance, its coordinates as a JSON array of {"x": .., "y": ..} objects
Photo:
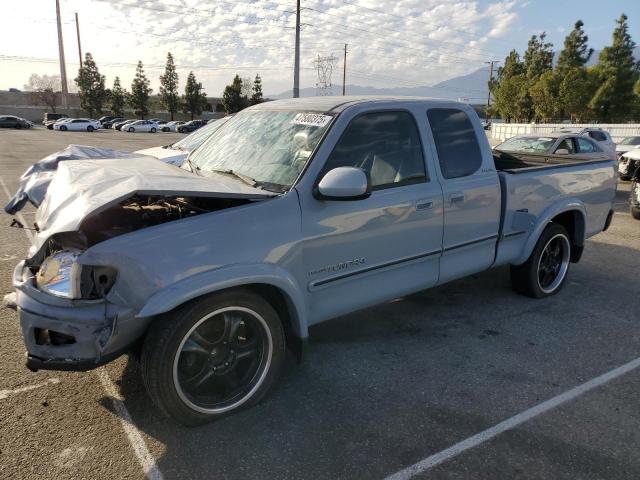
[{"x": 324, "y": 67}]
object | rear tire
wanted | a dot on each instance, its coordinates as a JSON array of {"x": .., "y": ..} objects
[
  {"x": 545, "y": 271},
  {"x": 635, "y": 212},
  {"x": 189, "y": 368}
]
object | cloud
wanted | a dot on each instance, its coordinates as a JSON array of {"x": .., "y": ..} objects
[{"x": 407, "y": 42}]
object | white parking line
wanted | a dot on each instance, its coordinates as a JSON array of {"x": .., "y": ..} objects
[
  {"x": 486, "y": 435},
  {"x": 7, "y": 393},
  {"x": 146, "y": 460}
]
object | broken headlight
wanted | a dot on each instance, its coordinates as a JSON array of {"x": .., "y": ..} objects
[{"x": 59, "y": 275}]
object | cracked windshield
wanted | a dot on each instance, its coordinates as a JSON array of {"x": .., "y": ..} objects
[{"x": 268, "y": 148}]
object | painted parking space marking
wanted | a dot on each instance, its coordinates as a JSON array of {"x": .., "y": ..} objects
[
  {"x": 8, "y": 393},
  {"x": 486, "y": 435},
  {"x": 146, "y": 460}
]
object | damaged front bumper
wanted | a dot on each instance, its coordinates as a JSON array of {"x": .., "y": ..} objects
[{"x": 64, "y": 334}]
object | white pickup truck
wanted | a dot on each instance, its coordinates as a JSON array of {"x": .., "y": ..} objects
[{"x": 295, "y": 212}]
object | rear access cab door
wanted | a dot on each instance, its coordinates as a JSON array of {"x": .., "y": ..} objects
[{"x": 471, "y": 190}]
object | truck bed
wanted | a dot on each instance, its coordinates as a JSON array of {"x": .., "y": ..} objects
[
  {"x": 529, "y": 191},
  {"x": 507, "y": 163}
]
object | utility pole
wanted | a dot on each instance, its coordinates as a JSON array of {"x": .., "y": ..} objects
[
  {"x": 344, "y": 72},
  {"x": 489, "y": 86},
  {"x": 63, "y": 69},
  {"x": 79, "y": 46},
  {"x": 296, "y": 63}
]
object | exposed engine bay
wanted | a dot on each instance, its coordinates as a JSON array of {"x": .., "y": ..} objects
[
  {"x": 141, "y": 211},
  {"x": 134, "y": 213}
]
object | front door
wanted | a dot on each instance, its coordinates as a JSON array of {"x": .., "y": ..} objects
[{"x": 361, "y": 252}]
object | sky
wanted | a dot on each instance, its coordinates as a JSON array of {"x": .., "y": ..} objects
[{"x": 401, "y": 43}]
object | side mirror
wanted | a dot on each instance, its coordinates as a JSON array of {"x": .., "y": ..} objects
[
  {"x": 344, "y": 183},
  {"x": 562, "y": 151}
]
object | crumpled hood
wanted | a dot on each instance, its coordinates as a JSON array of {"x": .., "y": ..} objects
[
  {"x": 84, "y": 187},
  {"x": 633, "y": 154}
]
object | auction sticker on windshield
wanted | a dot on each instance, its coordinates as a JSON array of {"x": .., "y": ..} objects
[{"x": 311, "y": 119}]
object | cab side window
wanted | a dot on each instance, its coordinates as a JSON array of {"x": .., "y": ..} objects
[
  {"x": 386, "y": 145},
  {"x": 586, "y": 146},
  {"x": 598, "y": 136},
  {"x": 456, "y": 142},
  {"x": 566, "y": 144}
]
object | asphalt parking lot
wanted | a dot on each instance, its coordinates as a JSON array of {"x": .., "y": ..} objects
[{"x": 379, "y": 391}]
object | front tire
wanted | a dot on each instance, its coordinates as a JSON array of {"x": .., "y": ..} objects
[
  {"x": 131, "y": 130},
  {"x": 546, "y": 269},
  {"x": 90, "y": 129},
  {"x": 635, "y": 212},
  {"x": 63, "y": 128},
  {"x": 213, "y": 356},
  {"x": 153, "y": 130}
]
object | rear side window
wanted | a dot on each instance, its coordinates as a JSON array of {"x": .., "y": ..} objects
[
  {"x": 598, "y": 136},
  {"x": 586, "y": 146},
  {"x": 386, "y": 145},
  {"x": 456, "y": 142}
]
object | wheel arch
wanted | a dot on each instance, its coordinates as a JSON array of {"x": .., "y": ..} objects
[
  {"x": 572, "y": 216},
  {"x": 269, "y": 281}
]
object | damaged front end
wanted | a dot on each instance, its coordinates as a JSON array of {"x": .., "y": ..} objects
[{"x": 71, "y": 314}]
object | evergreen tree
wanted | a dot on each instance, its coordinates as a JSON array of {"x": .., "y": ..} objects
[
  {"x": 576, "y": 52},
  {"x": 538, "y": 58},
  {"x": 117, "y": 98},
  {"x": 256, "y": 94},
  {"x": 232, "y": 98},
  {"x": 617, "y": 72},
  {"x": 91, "y": 87},
  {"x": 140, "y": 92},
  {"x": 503, "y": 87},
  {"x": 169, "y": 87},
  {"x": 194, "y": 99},
  {"x": 545, "y": 96},
  {"x": 576, "y": 89}
]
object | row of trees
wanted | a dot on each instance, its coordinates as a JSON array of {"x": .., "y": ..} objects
[
  {"x": 95, "y": 97},
  {"x": 242, "y": 93},
  {"x": 533, "y": 88}
]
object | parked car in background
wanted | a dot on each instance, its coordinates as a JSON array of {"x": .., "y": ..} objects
[
  {"x": 628, "y": 143},
  {"x": 109, "y": 123},
  {"x": 596, "y": 134},
  {"x": 158, "y": 121},
  {"x": 176, "y": 153},
  {"x": 140, "y": 126},
  {"x": 10, "y": 121},
  {"x": 77, "y": 125},
  {"x": 172, "y": 126},
  {"x": 628, "y": 163},
  {"x": 555, "y": 148},
  {"x": 53, "y": 117},
  {"x": 211, "y": 271},
  {"x": 105, "y": 119},
  {"x": 122, "y": 123},
  {"x": 190, "y": 126}
]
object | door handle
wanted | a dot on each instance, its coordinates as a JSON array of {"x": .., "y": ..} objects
[
  {"x": 456, "y": 198},
  {"x": 424, "y": 205}
]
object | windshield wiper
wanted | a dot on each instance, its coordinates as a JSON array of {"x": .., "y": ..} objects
[
  {"x": 194, "y": 168},
  {"x": 244, "y": 178}
]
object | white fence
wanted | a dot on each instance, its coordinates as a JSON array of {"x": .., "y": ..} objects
[{"x": 502, "y": 131}]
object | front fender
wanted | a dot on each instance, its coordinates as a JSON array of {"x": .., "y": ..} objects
[
  {"x": 567, "y": 205},
  {"x": 226, "y": 277}
]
